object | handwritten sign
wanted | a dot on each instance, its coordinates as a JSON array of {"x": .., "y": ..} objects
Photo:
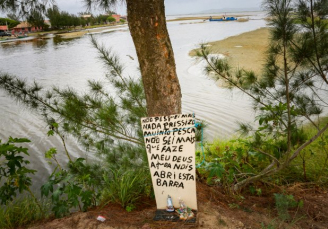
[{"x": 170, "y": 145}]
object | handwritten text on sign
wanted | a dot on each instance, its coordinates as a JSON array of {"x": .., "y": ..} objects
[{"x": 170, "y": 145}]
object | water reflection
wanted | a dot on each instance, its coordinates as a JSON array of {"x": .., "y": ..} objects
[
  {"x": 20, "y": 45},
  {"x": 39, "y": 43},
  {"x": 58, "y": 40},
  {"x": 11, "y": 45}
]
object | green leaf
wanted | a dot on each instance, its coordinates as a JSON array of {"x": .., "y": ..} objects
[
  {"x": 50, "y": 133},
  {"x": 49, "y": 154},
  {"x": 73, "y": 192},
  {"x": 261, "y": 121},
  {"x": 56, "y": 195},
  {"x": 55, "y": 125},
  {"x": 216, "y": 170},
  {"x": 46, "y": 188},
  {"x": 86, "y": 198},
  {"x": 7, "y": 148},
  {"x": 61, "y": 208}
]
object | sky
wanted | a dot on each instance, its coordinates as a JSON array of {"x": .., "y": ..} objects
[{"x": 172, "y": 7}]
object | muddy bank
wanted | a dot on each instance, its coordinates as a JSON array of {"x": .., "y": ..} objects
[{"x": 216, "y": 210}]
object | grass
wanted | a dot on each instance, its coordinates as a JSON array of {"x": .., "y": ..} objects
[
  {"x": 219, "y": 146},
  {"x": 23, "y": 211},
  {"x": 310, "y": 166},
  {"x": 308, "y": 19}
]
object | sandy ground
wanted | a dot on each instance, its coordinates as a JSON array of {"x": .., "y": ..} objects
[{"x": 246, "y": 50}]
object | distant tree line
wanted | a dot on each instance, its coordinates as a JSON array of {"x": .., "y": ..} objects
[
  {"x": 9, "y": 22},
  {"x": 35, "y": 18},
  {"x": 61, "y": 19}
]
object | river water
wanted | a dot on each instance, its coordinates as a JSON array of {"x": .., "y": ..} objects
[{"x": 71, "y": 62}]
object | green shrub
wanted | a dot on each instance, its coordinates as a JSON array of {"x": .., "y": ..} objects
[
  {"x": 111, "y": 19},
  {"x": 14, "y": 176},
  {"x": 68, "y": 188},
  {"x": 284, "y": 203},
  {"x": 230, "y": 161}
]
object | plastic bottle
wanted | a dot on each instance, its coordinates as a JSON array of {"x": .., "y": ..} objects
[{"x": 169, "y": 207}]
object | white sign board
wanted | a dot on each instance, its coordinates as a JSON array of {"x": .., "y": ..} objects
[{"x": 170, "y": 145}]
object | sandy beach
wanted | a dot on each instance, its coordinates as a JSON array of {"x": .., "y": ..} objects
[{"x": 246, "y": 50}]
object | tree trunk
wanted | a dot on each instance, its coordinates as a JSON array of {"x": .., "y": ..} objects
[{"x": 147, "y": 23}]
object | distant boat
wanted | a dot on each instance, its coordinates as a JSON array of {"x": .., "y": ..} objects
[
  {"x": 13, "y": 39},
  {"x": 223, "y": 19},
  {"x": 22, "y": 36}
]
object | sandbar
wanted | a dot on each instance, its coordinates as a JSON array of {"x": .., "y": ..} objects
[{"x": 246, "y": 50}]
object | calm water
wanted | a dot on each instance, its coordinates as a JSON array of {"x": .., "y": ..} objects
[{"x": 65, "y": 63}]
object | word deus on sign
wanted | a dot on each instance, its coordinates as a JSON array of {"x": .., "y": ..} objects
[{"x": 170, "y": 145}]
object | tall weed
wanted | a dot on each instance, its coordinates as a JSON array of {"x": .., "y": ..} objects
[
  {"x": 312, "y": 163},
  {"x": 22, "y": 212},
  {"x": 230, "y": 161},
  {"x": 284, "y": 203},
  {"x": 126, "y": 186}
]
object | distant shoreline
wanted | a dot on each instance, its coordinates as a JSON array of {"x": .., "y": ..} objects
[
  {"x": 206, "y": 17},
  {"x": 231, "y": 11},
  {"x": 82, "y": 32},
  {"x": 76, "y": 34}
]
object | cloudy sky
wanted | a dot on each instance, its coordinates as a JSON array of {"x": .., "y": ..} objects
[{"x": 172, "y": 6}]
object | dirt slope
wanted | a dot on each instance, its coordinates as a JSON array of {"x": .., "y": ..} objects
[{"x": 216, "y": 210}]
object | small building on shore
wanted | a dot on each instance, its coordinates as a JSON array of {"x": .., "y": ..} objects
[
  {"x": 25, "y": 27},
  {"x": 125, "y": 18},
  {"x": 47, "y": 23},
  {"x": 3, "y": 27},
  {"x": 86, "y": 16},
  {"x": 117, "y": 17}
]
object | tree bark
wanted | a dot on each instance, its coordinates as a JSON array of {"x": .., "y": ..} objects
[{"x": 147, "y": 23}]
